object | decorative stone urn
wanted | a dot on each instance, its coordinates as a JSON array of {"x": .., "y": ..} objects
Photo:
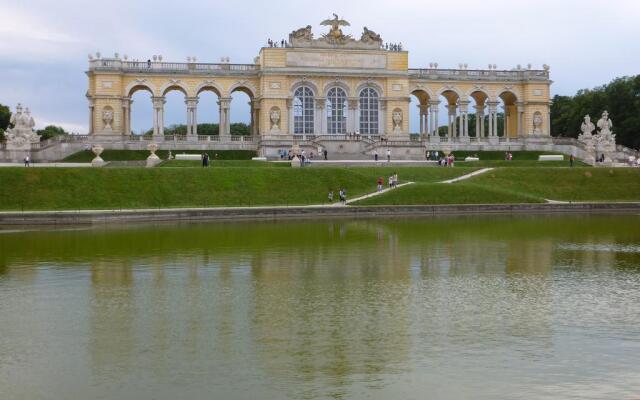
[
  {"x": 153, "y": 159},
  {"x": 98, "y": 161}
]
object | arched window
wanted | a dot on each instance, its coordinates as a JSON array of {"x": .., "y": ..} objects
[
  {"x": 369, "y": 115},
  {"x": 336, "y": 111},
  {"x": 303, "y": 110}
]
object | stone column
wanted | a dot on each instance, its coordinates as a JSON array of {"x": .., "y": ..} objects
[
  {"x": 255, "y": 118},
  {"x": 321, "y": 117},
  {"x": 520, "y": 109},
  {"x": 126, "y": 116},
  {"x": 453, "y": 129},
  {"x": 351, "y": 116},
  {"x": 548, "y": 124},
  {"x": 382, "y": 115},
  {"x": 479, "y": 120},
  {"x": 464, "y": 118},
  {"x": 290, "y": 116},
  {"x": 493, "y": 118},
  {"x": 91, "y": 115},
  {"x": 225, "y": 123},
  {"x": 192, "y": 122},
  {"x": 158, "y": 115},
  {"x": 434, "y": 106}
]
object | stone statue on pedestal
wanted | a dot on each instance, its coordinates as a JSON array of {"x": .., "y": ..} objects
[
  {"x": 587, "y": 128},
  {"x": 537, "y": 124},
  {"x": 605, "y": 125},
  {"x": 21, "y": 135}
]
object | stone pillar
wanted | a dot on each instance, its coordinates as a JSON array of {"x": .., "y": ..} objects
[
  {"x": 255, "y": 117},
  {"x": 493, "y": 119},
  {"x": 479, "y": 120},
  {"x": 453, "y": 130},
  {"x": 520, "y": 109},
  {"x": 319, "y": 116},
  {"x": 91, "y": 116},
  {"x": 126, "y": 116},
  {"x": 225, "y": 123},
  {"x": 158, "y": 115},
  {"x": 434, "y": 106},
  {"x": 464, "y": 118},
  {"x": 548, "y": 124},
  {"x": 382, "y": 115},
  {"x": 192, "y": 122},
  {"x": 290, "y": 116},
  {"x": 351, "y": 116}
]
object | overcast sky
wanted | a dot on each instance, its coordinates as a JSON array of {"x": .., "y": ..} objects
[{"x": 44, "y": 43}]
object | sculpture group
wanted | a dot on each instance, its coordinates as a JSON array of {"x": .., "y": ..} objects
[
  {"x": 22, "y": 133},
  {"x": 303, "y": 37},
  {"x": 603, "y": 142}
]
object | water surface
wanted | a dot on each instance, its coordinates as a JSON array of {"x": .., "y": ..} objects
[{"x": 444, "y": 308}]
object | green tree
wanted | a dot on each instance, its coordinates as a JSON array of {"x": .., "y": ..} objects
[
  {"x": 51, "y": 131},
  {"x": 620, "y": 97},
  {"x": 5, "y": 116},
  {"x": 240, "y": 128}
]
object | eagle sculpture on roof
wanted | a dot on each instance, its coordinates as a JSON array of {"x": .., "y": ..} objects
[{"x": 335, "y": 34}]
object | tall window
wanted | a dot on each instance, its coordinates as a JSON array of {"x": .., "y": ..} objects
[
  {"x": 303, "y": 110},
  {"x": 336, "y": 111},
  {"x": 369, "y": 116}
]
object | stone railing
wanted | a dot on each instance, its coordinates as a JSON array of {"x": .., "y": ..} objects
[
  {"x": 110, "y": 64},
  {"x": 479, "y": 75}
]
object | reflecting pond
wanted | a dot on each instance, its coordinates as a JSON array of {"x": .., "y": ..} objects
[{"x": 439, "y": 308}]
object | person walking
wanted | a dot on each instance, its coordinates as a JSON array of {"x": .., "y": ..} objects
[
  {"x": 27, "y": 161},
  {"x": 571, "y": 158},
  {"x": 343, "y": 196},
  {"x": 380, "y": 183},
  {"x": 395, "y": 180},
  {"x": 325, "y": 154},
  {"x": 388, "y": 155},
  {"x": 375, "y": 155},
  {"x": 330, "y": 195}
]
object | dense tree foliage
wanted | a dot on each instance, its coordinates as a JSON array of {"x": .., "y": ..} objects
[
  {"x": 5, "y": 116},
  {"x": 50, "y": 131},
  {"x": 621, "y": 98},
  {"x": 238, "y": 128}
]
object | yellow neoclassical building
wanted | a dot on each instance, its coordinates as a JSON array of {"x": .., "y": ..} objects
[{"x": 330, "y": 89}]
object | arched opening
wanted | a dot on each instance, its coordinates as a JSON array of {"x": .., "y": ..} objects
[
  {"x": 141, "y": 110},
  {"x": 369, "y": 112},
  {"x": 449, "y": 107},
  {"x": 208, "y": 112},
  {"x": 175, "y": 111},
  {"x": 242, "y": 112},
  {"x": 508, "y": 119},
  {"x": 336, "y": 107},
  {"x": 419, "y": 121},
  {"x": 303, "y": 111},
  {"x": 478, "y": 116}
]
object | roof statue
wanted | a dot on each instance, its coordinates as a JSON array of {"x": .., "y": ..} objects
[
  {"x": 335, "y": 35},
  {"x": 303, "y": 37}
]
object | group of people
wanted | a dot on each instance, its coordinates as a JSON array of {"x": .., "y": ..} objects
[
  {"x": 342, "y": 195},
  {"x": 288, "y": 155},
  {"x": 393, "y": 182},
  {"x": 393, "y": 46},
  {"x": 282, "y": 43},
  {"x": 376, "y": 156}
]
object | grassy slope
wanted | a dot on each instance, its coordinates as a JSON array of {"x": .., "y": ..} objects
[
  {"x": 524, "y": 185},
  {"x": 569, "y": 184},
  {"x": 88, "y": 188},
  {"x": 137, "y": 155}
]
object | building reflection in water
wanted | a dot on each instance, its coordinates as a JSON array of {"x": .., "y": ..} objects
[{"x": 310, "y": 306}]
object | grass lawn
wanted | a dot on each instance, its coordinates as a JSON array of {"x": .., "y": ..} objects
[
  {"x": 567, "y": 184},
  {"x": 138, "y": 155},
  {"x": 439, "y": 193},
  {"x": 523, "y": 185},
  {"x": 115, "y": 188}
]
